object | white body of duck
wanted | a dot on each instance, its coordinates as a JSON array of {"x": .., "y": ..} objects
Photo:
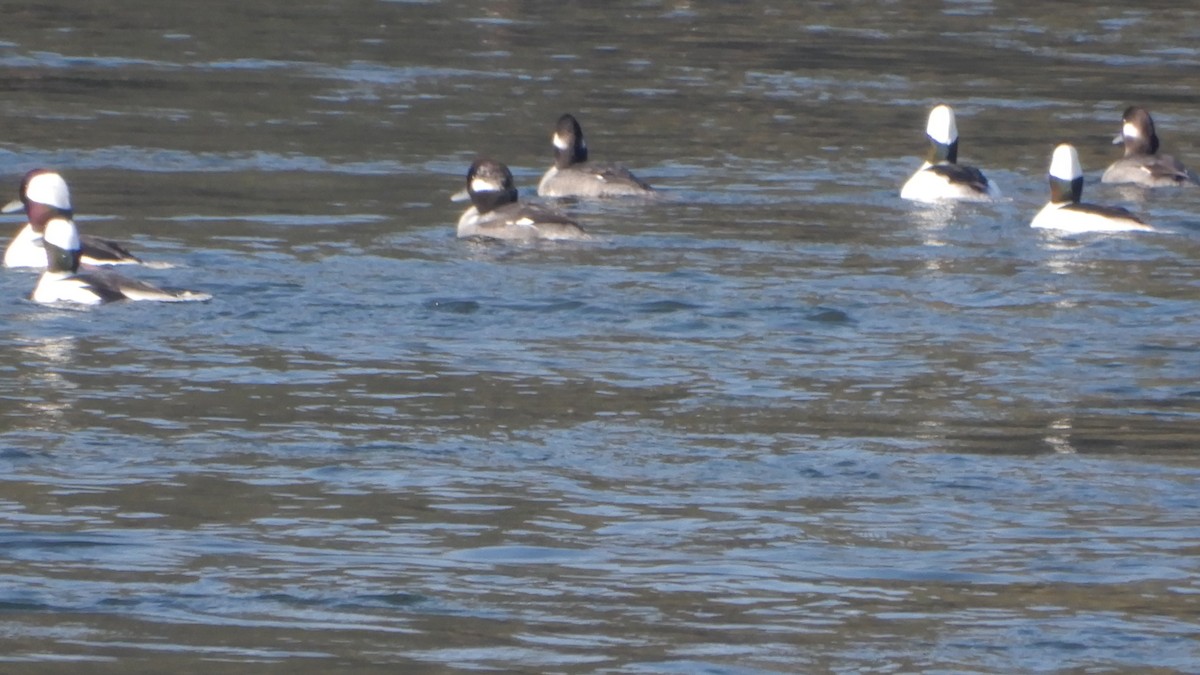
[
  {"x": 941, "y": 177},
  {"x": 1065, "y": 213},
  {"x": 64, "y": 282}
]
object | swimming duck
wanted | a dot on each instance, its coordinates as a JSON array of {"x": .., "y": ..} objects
[
  {"x": 63, "y": 282},
  {"x": 1142, "y": 164},
  {"x": 574, "y": 176},
  {"x": 1066, "y": 213},
  {"x": 495, "y": 212},
  {"x": 941, "y": 177}
]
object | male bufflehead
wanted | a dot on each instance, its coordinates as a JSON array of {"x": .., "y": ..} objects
[
  {"x": 1142, "y": 164},
  {"x": 1064, "y": 211},
  {"x": 62, "y": 282},
  {"x": 495, "y": 212},
  {"x": 574, "y": 176},
  {"x": 44, "y": 195},
  {"x": 940, "y": 176}
]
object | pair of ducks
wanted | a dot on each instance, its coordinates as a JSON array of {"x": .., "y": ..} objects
[
  {"x": 495, "y": 212},
  {"x": 942, "y": 178},
  {"x": 74, "y": 265}
]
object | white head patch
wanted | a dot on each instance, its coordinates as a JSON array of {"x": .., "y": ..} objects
[
  {"x": 49, "y": 189},
  {"x": 941, "y": 127},
  {"x": 560, "y": 142},
  {"x": 1130, "y": 130},
  {"x": 483, "y": 185},
  {"x": 62, "y": 233},
  {"x": 1065, "y": 163}
]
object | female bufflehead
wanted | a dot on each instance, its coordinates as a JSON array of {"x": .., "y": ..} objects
[
  {"x": 62, "y": 282},
  {"x": 1064, "y": 211},
  {"x": 940, "y": 176},
  {"x": 1142, "y": 164},
  {"x": 574, "y": 176},
  {"x": 496, "y": 214},
  {"x": 44, "y": 195}
]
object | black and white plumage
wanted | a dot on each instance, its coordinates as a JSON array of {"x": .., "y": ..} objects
[
  {"x": 940, "y": 176},
  {"x": 1066, "y": 213},
  {"x": 45, "y": 195},
  {"x": 64, "y": 282}
]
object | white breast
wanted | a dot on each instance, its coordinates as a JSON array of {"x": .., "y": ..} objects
[
  {"x": 930, "y": 186},
  {"x": 1055, "y": 217},
  {"x": 60, "y": 287},
  {"x": 25, "y": 250}
]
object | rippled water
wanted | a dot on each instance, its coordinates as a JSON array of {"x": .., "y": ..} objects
[{"x": 776, "y": 421}]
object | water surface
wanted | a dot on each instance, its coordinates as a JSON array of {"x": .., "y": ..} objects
[{"x": 777, "y": 420}]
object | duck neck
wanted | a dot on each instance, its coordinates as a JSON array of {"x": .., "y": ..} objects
[
  {"x": 1063, "y": 191},
  {"x": 61, "y": 260},
  {"x": 493, "y": 199},
  {"x": 577, "y": 153},
  {"x": 943, "y": 152},
  {"x": 1138, "y": 145}
]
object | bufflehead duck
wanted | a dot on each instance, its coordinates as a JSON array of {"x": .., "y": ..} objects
[
  {"x": 44, "y": 195},
  {"x": 940, "y": 176},
  {"x": 574, "y": 176},
  {"x": 1142, "y": 164},
  {"x": 1064, "y": 211},
  {"x": 496, "y": 214},
  {"x": 62, "y": 281}
]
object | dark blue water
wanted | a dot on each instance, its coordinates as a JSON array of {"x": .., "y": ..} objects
[{"x": 777, "y": 420}]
